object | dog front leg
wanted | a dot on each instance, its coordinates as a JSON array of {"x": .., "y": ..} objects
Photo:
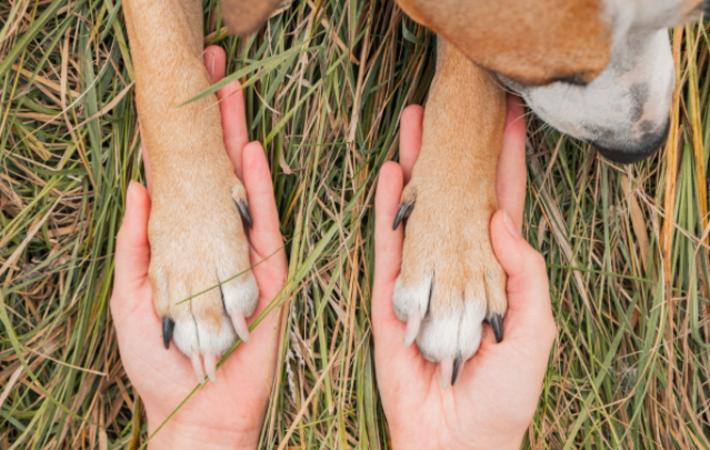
[
  {"x": 450, "y": 280},
  {"x": 196, "y": 234}
]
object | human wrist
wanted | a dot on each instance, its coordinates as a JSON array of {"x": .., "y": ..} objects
[
  {"x": 409, "y": 442},
  {"x": 177, "y": 435},
  {"x": 508, "y": 442}
]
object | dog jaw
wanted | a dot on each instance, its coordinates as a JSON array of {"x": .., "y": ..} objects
[{"x": 624, "y": 111}]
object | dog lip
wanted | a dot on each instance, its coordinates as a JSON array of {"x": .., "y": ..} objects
[
  {"x": 649, "y": 144},
  {"x": 624, "y": 157},
  {"x": 579, "y": 79}
]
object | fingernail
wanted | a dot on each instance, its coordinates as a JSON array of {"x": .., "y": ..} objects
[{"x": 510, "y": 225}]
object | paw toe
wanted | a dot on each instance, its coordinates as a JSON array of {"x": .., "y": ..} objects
[
  {"x": 411, "y": 297},
  {"x": 240, "y": 295},
  {"x": 196, "y": 334},
  {"x": 453, "y": 331},
  {"x": 240, "y": 299}
]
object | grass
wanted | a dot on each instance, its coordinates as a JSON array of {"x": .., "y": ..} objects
[{"x": 626, "y": 246}]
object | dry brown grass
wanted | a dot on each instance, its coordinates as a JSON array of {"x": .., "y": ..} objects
[{"x": 626, "y": 246}]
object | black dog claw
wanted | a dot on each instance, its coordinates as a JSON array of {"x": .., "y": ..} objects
[
  {"x": 405, "y": 209},
  {"x": 455, "y": 373},
  {"x": 496, "y": 322},
  {"x": 244, "y": 211},
  {"x": 168, "y": 327}
]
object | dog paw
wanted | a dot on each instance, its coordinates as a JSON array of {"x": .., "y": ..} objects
[
  {"x": 203, "y": 289},
  {"x": 450, "y": 281}
]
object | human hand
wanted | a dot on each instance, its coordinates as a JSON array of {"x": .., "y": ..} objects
[
  {"x": 228, "y": 413},
  {"x": 498, "y": 390}
]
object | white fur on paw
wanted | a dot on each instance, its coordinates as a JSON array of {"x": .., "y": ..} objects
[
  {"x": 455, "y": 333},
  {"x": 192, "y": 337},
  {"x": 239, "y": 299},
  {"x": 240, "y": 296},
  {"x": 450, "y": 331},
  {"x": 407, "y": 299}
]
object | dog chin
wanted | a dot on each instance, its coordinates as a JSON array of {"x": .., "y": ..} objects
[{"x": 633, "y": 152}]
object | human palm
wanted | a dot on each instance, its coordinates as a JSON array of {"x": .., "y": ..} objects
[
  {"x": 495, "y": 397},
  {"x": 229, "y": 412}
]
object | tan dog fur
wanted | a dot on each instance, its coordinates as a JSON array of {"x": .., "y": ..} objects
[
  {"x": 243, "y": 17},
  {"x": 531, "y": 41},
  {"x": 196, "y": 233},
  {"x": 453, "y": 182}
]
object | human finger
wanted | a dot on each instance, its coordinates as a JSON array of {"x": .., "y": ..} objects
[
  {"x": 231, "y": 107},
  {"x": 527, "y": 286},
  {"x": 388, "y": 256},
  {"x": 511, "y": 174},
  {"x": 268, "y": 258},
  {"x": 265, "y": 235},
  {"x": 132, "y": 251},
  {"x": 410, "y": 140},
  {"x": 215, "y": 61}
]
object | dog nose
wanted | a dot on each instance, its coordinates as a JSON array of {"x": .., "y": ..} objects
[{"x": 637, "y": 151}]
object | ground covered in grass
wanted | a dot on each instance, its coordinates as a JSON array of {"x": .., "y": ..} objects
[{"x": 626, "y": 246}]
